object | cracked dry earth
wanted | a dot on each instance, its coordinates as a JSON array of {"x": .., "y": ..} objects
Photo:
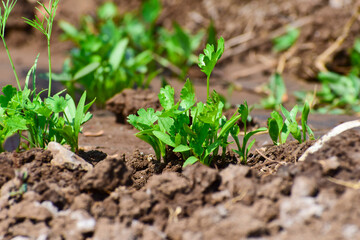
[{"x": 136, "y": 197}]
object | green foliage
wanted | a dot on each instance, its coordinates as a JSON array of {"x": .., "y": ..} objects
[
  {"x": 178, "y": 47},
  {"x": 53, "y": 119},
  {"x": 45, "y": 26},
  {"x": 208, "y": 60},
  {"x": 4, "y": 15},
  {"x": 279, "y": 130},
  {"x": 113, "y": 52},
  {"x": 277, "y": 91},
  {"x": 244, "y": 149},
  {"x": 355, "y": 57},
  {"x": 150, "y": 10},
  {"x": 339, "y": 93},
  {"x": 287, "y": 40},
  {"x": 197, "y": 131},
  {"x": 74, "y": 117}
]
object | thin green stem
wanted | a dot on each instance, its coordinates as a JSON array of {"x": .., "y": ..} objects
[
  {"x": 49, "y": 56},
  {"x": 208, "y": 86},
  {"x": 12, "y": 63}
]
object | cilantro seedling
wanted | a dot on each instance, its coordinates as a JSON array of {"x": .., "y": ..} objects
[
  {"x": 113, "y": 52},
  {"x": 4, "y": 15},
  {"x": 208, "y": 60},
  {"x": 277, "y": 92},
  {"x": 45, "y": 26},
  {"x": 195, "y": 131},
  {"x": 339, "y": 93},
  {"x": 279, "y": 129},
  {"x": 74, "y": 118},
  {"x": 244, "y": 149},
  {"x": 54, "y": 118}
]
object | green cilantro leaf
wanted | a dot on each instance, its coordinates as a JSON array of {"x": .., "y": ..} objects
[
  {"x": 8, "y": 91},
  {"x": 145, "y": 118},
  {"x": 166, "y": 97},
  {"x": 56, "y": 103},
  {"x": 187, "y": 96},
  {"x": 210, "y": 57}
]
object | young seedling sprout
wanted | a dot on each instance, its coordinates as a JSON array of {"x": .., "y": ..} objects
[
  {"x": 54, "y": 118},
  {"x": 208, "y": 60},
  {"x": 45, "y": 26},
  {"x": 8, "y": 6}
]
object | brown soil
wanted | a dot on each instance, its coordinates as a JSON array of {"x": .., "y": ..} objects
[
  {"x": 137, "y": 197},
  {"x": 130, "y": 195}
]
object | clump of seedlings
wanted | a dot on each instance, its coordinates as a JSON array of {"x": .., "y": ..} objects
[
  {"x": 197, "y": 130},
  {"x": 279, "y": 129},
  {"x": 116, "y": 51},
  {"x": 276, "y": 92},
  {"x": 54, "y": 118},
  {"x": 244, "y": 149},
  {"x": 339, "y": 93}
]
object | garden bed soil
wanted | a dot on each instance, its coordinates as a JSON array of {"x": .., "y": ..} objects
[
  {"x": 130, "y": 195},
  {"x": 136, "y": 197}
]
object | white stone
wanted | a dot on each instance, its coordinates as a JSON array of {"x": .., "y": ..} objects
[{"x": 66, "y": 158}]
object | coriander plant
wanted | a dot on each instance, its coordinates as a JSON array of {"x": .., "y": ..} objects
[
  {"x": 208, "y": 60},
  {"x": 113, "y": 52},
  {"x": 279, "y": 129},
  {"x": 243, "y": 151},
  {"x": 54, "y": 118},
  {"x": 277, "y": 92},
  {"x": 45, "y": 26},
  {"x": 339, "y": 92},
  {"x": 4, "y": 15},
  {"x": 196, "y": 130}
]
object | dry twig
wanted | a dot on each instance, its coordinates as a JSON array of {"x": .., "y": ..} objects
[
  {"x": 353, "y": 185},
  {"x": 261, "y": 40},
  {"x": 321, "y": 60}
]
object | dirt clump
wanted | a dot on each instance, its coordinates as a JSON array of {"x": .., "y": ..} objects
[
  {"x": 238, "y": 202},
  {"x": 130, "y": 101}
]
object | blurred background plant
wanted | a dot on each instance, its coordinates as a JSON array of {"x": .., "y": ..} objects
[
  {"x": 276, "y": 92},
  {"x": 276, "y": 88},
  {"x": 287, "y": 40},
  {"x": 113, "y": 51},
  {"x": 339, "y": 92}
]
